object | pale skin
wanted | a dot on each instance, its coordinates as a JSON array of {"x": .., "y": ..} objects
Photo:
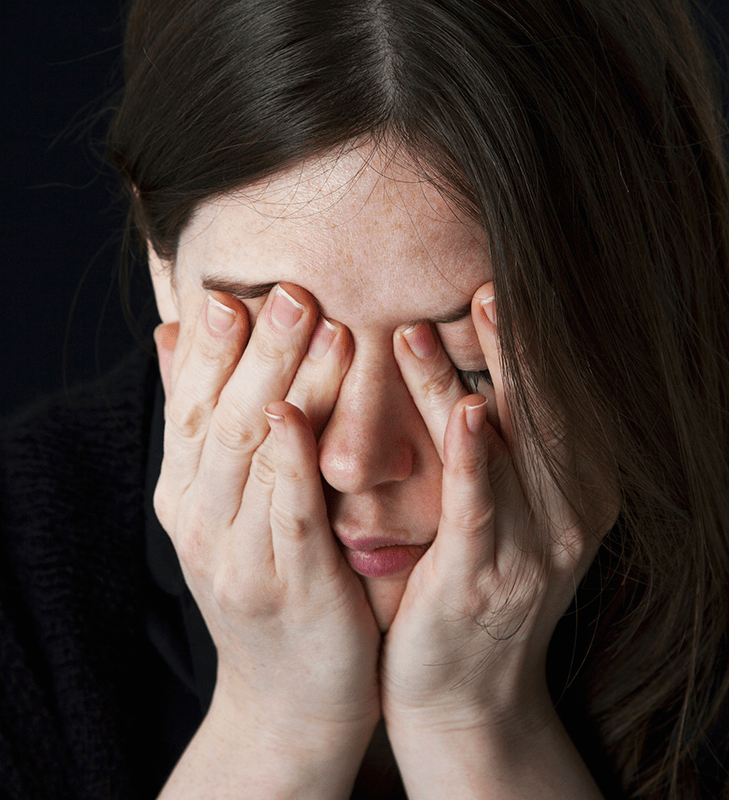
[{"x": 367, "y": 432}]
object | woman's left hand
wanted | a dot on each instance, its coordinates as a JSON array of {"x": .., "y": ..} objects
[{"x": 463, "y": 675}]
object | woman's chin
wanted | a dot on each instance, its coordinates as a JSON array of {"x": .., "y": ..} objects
[{"x": 384, "y": 595}]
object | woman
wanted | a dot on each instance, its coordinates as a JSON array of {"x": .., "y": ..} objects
[{"x": 443, "y": 291}]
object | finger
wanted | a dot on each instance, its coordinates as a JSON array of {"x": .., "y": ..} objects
[
  {"x": 430, "y": 376},
  {"x": 483, "y": 534},
  {"x": 316, "y": 385},
  {"x": 478, "y": 478},
  {"x": 303, "y": 544},
  {"x": 465, "y": 541},
  {"x": 193, "y": 388},
  {"x": 483, "y": 315},
  {"x": 314, "y": 392},
  {"x": 263, "y": 374}
]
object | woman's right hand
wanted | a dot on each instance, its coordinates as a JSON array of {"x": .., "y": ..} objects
[{"x": 240, "y": 494}]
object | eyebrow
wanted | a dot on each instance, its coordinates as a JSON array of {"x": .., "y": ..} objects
[
  {"x": 252, "y": 291},
  {"x": 239, "y": 290}
]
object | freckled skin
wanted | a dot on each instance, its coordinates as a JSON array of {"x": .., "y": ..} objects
[{"x": 378, "y": 248}]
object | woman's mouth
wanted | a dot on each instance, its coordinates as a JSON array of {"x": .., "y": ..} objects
[{"x": 380, "y": 558}]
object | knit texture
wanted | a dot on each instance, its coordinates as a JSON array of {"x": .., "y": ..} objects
[{"x": 72, "y": 643}]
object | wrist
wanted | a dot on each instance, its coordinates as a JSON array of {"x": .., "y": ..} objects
[
  {"x": 524, "y": 752},
  {"x": 246, "y": 751},
  {"x": 289, "y": 721}
]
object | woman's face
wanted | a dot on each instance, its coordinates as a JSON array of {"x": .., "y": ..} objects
[{"x": 379, "y": 249}]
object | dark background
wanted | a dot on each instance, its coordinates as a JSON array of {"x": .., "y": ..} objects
[
  {"x": 62, "y": 213},
  {"x": 60, "y": 311}
]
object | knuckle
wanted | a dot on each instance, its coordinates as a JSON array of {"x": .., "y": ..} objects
[
  {"x": 163, "y": 505},
  {"x": 439, "y": 384},
  {"x": 185, "y": 417},
  {"x": 262, "y": 467},
  {"x": 237, "y": 595},
  {"x": 517, "y": 590},
  {"x": 230, "y": 430},
  {"x": 471, "y": 468},
  {"x": 289, "y": 523},
  {"x": 474, "y": 519},
  {"x": 227, "y": 590},
  {"x": 295, "y": 473},
  {"x": 190, "y": 549},
  {"x": 274, "y": 355}
]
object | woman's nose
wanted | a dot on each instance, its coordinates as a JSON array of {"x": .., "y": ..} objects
[{"x": 373, "y": 434}]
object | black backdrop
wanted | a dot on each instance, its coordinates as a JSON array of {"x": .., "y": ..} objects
[{"x": 60, "y": 313}]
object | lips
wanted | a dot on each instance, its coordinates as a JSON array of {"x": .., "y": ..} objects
[{"x": 380, "y": 558}]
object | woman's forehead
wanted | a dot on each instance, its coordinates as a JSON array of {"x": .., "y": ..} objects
[{"x": 348, "y": 225}]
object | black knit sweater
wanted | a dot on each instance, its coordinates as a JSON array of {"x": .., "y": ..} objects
[{"x": 75, "y": 662}]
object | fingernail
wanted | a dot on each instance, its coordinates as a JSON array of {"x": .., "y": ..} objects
[
  {"x": 271, "y": 416},
  {"x": 285, "y": 311},
  {"x": 421, "y": 341},
  {"x": 322, "y": 339},
  {"x": 475, "y": 416},
  {"x": 489, "y": 307},
  {"x": 277, "y": 423},
  {"x": 220, "y": 318}
]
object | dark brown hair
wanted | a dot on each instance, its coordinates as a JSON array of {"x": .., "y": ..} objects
[{"x": 584, "y": 135}]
